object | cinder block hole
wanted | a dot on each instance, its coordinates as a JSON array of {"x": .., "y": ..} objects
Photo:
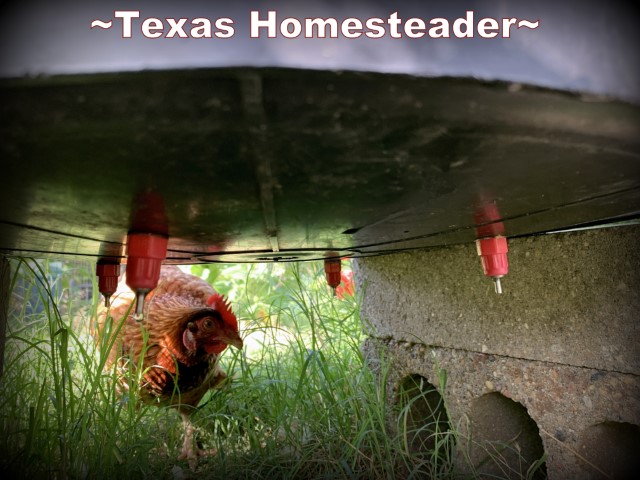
[
  {"x": 504, "y": 439},
  {"x": 423, "y": 421},
  {"x": 614, "y": 448}
]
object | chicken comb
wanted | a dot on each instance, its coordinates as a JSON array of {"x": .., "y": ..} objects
[{"x": 222, "y": 305}]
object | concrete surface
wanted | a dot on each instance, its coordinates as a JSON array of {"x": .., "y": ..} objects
[
  {"x": 571, "y": 298},
  {"x": 563, "y": 342}
]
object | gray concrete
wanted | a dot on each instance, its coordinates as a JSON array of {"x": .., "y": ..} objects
[
  {"x": 569, "y": 298},
  {"x": 563, "y": 340}
]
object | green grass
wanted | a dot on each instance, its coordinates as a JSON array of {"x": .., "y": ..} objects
[{"x": 302, "y": 401}]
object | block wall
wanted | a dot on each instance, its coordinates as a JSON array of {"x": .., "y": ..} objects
[{"x": 552, "y": 365}]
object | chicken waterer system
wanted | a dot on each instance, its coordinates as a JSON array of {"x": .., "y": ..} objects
[
  {"x": 258, "y": 165},
  {"x": 264, "y": 164}
]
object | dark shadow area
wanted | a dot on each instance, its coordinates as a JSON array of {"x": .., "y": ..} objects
[
  {"x": 613, "y": 448},
  {"x": 424, "y": 427},
  {"x": 505, "y": 441}
]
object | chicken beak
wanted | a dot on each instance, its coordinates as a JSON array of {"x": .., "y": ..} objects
[
  {"x": 236, "y": 342},
  {"x": 232, "y": 337}
]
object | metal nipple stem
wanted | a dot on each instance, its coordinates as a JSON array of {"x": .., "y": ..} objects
[
  {"x": 139, "y": 314},
  {"x": 497, "y": 284}
]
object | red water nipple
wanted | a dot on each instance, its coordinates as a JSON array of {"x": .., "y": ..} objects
[
  {"x": 491, "y": 243},
  {"x": 145, "y": 254},
  {"x": 493, "y": 254},
  {"x": 332, "y": 267},
  {"x": 108, "y": 273}
]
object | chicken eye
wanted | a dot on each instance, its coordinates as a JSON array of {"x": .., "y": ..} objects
[{"x": 208, "y": 324}]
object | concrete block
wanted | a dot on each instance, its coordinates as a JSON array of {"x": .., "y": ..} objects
[
  {"x": 568, "y": 404},
  {"x": 553, "y": 362},
  {"x": 570, "y": 298}
]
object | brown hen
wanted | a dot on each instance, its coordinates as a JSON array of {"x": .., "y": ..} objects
[{"x": 186, "y": 327}]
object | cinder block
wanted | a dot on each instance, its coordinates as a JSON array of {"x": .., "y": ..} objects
[{"x": 561, "y": 346}]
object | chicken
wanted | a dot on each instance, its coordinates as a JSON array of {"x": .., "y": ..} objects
[{"x": 186, "y": 326}]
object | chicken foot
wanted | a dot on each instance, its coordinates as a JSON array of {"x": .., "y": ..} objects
[{"x": 190, "y": 450}]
